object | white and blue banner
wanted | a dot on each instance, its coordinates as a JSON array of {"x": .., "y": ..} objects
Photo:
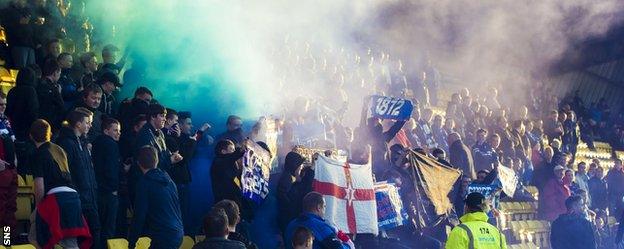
[
  {"x": 256, "y": 173},
  {"x": 390, "y": 211},
  {"x": 390, "y": 108}
]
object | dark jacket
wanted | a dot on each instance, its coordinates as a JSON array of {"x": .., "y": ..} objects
[
  {"x": 51, "y": 105},
  {"x": 598, "y": 193},
  {"x": 485, "y": 157},
  {"x": 226, "y": 178},
  {"x": 285, "y": 193},
  {"x": 378, "y": 140},
  {"x": 69, "y": 89},
  {"x": 236, "y": 136},
  {"x": 96, "y": 124},
  {"x": 107, "y": 164},
  {"x": 18, "y": 34},
  {"x": 240, "y": 238},
  {"x": 461, "y": 157},
  {"x": 219, "y": 243},
  {"x": 107, "y": 105},
  {"x": 80, "y": 167},
  {"x": 157, "y": 211},
  {"x": 129, "y": 109},
  {"x": 23, "y": 104},
  {"x": 615, "y": 183},
  {"x": 148, "y": 135},
  {"x": 570, "y": 231},
  {"x": 180, "y": 172}
]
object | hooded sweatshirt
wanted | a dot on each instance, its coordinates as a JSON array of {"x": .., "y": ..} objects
[
  {"x": 22, "y": 103},
  {"x": 157, "y": 211},
  {"x": 286, "y": 196}
]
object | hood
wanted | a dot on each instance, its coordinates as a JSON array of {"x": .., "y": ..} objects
[
  {"x": 26, "y": 77},
  {"x": 292, "y": 162},
  {"x": 475, "y": 216},
  {"x": 157, "y": 176}
]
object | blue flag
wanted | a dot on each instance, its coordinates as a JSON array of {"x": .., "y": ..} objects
[
  {"x": 390, "y": 108},
  {"x": 390, "y": 211}
]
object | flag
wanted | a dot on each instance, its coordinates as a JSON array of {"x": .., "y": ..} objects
[
  {"x": 385, "y": 107},
  {"x": 349, "y": 194},
  {"x": 390, "y": 211},
  {"x": 432, "y": 184},
  {"x": 508, "y": 179},
  {"x": 256, "y": 173}
]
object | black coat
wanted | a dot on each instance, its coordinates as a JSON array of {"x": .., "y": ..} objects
[
  {"x": 598, "y": 193},
  {"x": 461, "y": 158},
  {"x": 107, "y": 164},
  {"x": 80, "y": 167},
  {"x": 22, "y": 103},
  {"x": 180, "y": 173},
  {"x": 286, "y": 195},
  {"x": 226, "y": 178},
  {"x": 378, "y": 140},
  {"x": 571, "y": 231},
  {"x": 51, "y": 105},
  {"x": 18, "y": 34}
]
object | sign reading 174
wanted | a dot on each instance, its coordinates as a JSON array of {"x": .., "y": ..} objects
[{"x": 390, "y": 108}]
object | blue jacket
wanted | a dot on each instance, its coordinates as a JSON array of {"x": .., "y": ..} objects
[
  {"x": 107, "y": 164},
  {"x": 157, "y": 211},
  {"x": 80, "y": 167},
  {"x": 324, "y": 234}
]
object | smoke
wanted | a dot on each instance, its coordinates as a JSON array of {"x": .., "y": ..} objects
[{"x": 222, "y": 57}]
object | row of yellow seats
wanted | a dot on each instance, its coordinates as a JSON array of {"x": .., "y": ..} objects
[
  {"x": 594, "y": 154},
  {"x": 605, "y": 163},
  {"x": 518, "y": 207},
  {"x": 530, "y": 226},
  {"x": 523, "y": 246},
  {"x": 144, "y": 243}
]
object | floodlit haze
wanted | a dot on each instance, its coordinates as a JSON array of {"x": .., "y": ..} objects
[{"x": 221, "y": 57}]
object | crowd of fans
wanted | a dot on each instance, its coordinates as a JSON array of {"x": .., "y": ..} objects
[{"x": 94, "y": 156}]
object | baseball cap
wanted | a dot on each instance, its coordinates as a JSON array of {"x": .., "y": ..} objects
[
  {"x": 109, "y": 77},
  {"x": 474, "y": 200}
]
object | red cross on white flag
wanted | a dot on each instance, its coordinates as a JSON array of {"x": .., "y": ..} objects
[{"x": 349, "y": 193}]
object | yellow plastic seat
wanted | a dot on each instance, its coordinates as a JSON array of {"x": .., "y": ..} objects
[
  {"x": 24, "y": 207},
  {"x": 143, "y": 243},
  {"x": 30, "y": 181},
  {"x": 117, "y": 244},
  {"x": 187, "y": 243},
  {"x": 20, "y": 181},
  {"x": 26, "y": 246}
]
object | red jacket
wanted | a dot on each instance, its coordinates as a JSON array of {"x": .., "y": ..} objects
[{"x": 552, "y": 199}]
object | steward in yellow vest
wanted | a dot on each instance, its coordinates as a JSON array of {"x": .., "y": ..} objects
[{"x": 475, "y": 232}]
